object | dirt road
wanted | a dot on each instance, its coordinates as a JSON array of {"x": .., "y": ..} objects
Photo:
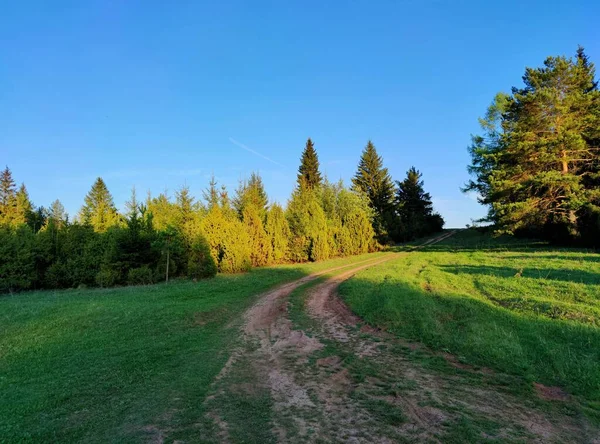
[{"x": 308, "y": 370}]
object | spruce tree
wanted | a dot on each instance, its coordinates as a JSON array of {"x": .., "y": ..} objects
[
  {"x": 374, "y": 180},
  {"x": 7, "y": 197},
  {"x": 211, "y": 194},
  {"x": 58, "y": 215},
  {"x": 309, "y": 175},
  {"x": 23, "y": 208},
  {"x": 99, "y": 210},
  {"x": 415, "y": 209},
  {"x": 185, "y": 205},
  {"x": 251, "y": 192}
]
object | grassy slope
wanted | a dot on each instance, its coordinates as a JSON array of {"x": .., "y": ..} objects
[
  {"x": 517, "y": 307},
  {"x": 117, "y": 364}
]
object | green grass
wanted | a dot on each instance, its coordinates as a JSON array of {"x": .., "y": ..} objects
[
  {"x": 122, "y": 364},
  {"x": 516, "y": 306}
]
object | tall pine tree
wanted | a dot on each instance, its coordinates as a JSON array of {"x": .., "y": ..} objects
[
  {"x": 309, "y": 175},
  {"x": 536, "y": 165},
  {"x": 374, "y": 180}
]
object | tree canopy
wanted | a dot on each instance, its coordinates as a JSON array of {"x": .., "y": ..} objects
[{"x": 536, "y": 165}]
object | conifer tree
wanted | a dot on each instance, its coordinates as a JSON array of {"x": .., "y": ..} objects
[
  {"x": 261, "y": 249},
  {"x": 185, "y": 206},
  {"x": 162, "y": 211},
  {"x": 309, "y": 175},
  {"x": 99, "y": 210},
  {"x": 278, "y": 230},
  {"x": 374, "y": 180},
  {"x": 23, "y": 208},
  {"x": 211, "y": 194},
  {"x": 536, "y": 164},
  {"x": 7, "y": 197},
  {"x": 415, "y": 208},
  {"x": 251, "y": 192},
  {"x": 57, "y": 214}
]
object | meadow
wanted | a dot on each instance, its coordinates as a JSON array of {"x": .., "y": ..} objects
[
  {"x": 97, "y": 365},
  {"x": 515, "y": 306},
  {"x": 141, "y": 363}
]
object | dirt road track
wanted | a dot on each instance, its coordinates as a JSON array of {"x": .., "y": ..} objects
[{"x": 323, "y": 400}]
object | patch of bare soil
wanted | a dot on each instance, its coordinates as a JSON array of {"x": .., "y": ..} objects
[
  {"x": 435, "y": 398},
  {"x": 550, "y": 393},
  {"x": 367, "y": 390},
  {"x": 267, "y": 337}
]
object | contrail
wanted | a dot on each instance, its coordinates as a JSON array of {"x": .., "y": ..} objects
[{"x": 241, "y": 145}]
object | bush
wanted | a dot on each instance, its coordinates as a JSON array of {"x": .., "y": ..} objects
[
  {"x": 201, "y": 264},
  {"x": 140, "y": 276},
  {"x": 107, "y": 277}
]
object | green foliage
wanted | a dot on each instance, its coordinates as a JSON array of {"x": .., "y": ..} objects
[
  {"x": 201, "y": 264},
  {"x": 278, "y": 230},
  {"x": 261, "y": 247},
  {"x": 415, "y": 209},
  {"x": 537, "y": 164},
  {"x": 17, "y": 259},
  {"x": 140, "y": 276},
  {"x": 107, "y": 277},
  {"x": 99, "y": 210},
  {"x": 309, "y": 175},
  {"x": 251, "y": 192},
  {"x": 308, "y": 226},
  {"x": 229, "y": 241},
  {"x": 373, "y": 179}
]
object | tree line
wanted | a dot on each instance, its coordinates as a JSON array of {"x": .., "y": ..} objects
[
  {"x": 537, "y": 164},
  {"x": 159, "y": 238}
]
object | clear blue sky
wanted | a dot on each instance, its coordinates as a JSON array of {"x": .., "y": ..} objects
[{"x": 151, "y": 93}]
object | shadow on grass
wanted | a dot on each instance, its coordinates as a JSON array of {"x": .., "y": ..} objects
[
  {"x": 552, "y": 352},
  {"x": 565, "y": 275}
]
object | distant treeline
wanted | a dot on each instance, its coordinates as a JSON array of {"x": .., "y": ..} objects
[
  {"x": 161, "y": 238},
  {"x": 537, "y": 165}
]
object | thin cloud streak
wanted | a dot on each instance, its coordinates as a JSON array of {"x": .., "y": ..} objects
[{"x": 241, "y": 145}]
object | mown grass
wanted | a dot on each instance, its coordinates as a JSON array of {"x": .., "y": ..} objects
[
  {"x": 124, "y": 364},
  {"x": 516, "y": 306}
]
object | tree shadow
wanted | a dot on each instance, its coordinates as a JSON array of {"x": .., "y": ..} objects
[
  {"x": 534, "y": 346},
  {"x": 565, "y": 275}
]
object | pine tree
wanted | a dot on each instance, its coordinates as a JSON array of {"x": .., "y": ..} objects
[
  {"x": 375, "y": 182},
  {"x": 308, "y": 172},
  {"x": 7, "y": 197},
  {"x": 536, "y": 164},
  {"x": 99, "y": 210}
]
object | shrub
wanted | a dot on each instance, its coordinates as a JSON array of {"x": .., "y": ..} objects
[
  {"x": 140, "y": 276},
  {"x": 201, "y": 264},
  {"x": 107, "y": 277}
]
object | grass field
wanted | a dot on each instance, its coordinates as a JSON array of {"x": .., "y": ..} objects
[
  {"x": 137, "y": 364},
  {"x": 105, "y": 365},
  {"x": 514, "y": 306}
]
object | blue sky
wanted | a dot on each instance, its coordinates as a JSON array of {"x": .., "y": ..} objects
[{"x": 159, "y": 94}]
